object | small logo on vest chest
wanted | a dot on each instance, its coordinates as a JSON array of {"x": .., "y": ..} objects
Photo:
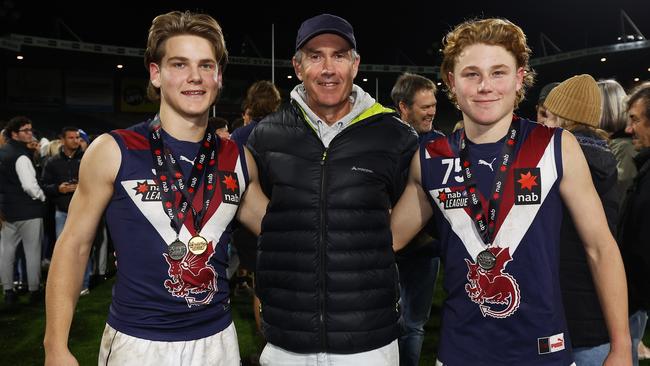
[
  {"x": 528, "y": 186},
  {"x": 452, "y": 199},
  {"x": 229, "y": 187},
  {"x": 362, "y": 170},
  {"x": 149, "y": 191}
]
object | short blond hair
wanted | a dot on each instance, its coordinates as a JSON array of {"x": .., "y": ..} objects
[{"x": 493, "y": 32}]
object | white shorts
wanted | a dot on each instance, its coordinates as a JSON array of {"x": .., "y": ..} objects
[
  {"x": 385, "y": 356},
  {"x": 119, "y": 349}
]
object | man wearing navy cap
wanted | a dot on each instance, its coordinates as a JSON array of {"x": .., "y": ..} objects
[{"x": 332, "y": 162}]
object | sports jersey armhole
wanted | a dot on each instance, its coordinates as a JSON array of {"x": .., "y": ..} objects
[
  {"x": 244, "y": 164},
  {"x": 425, "y": 177},
  {"x": 558, "y": 152},
  {"x": 120, "y": 143},
  {"x": 422, "y": 155},
  {"x": 423, "y": 169}
]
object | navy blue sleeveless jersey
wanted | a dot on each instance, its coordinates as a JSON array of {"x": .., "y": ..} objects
[
  {"x": 155, "y": 297},
  {"x": 511, "y": 314}
]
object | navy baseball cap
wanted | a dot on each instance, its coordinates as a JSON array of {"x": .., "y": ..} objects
[{"x": 325, "y": 23}]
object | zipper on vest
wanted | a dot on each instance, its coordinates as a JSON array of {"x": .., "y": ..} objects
[{"x": 322, "y": 251}]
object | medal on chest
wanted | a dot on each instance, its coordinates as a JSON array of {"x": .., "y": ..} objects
[
  {"x": 486, "y": 223},
  {"x": 177, "y": 194},
  {"x": 197, "y": 244}
]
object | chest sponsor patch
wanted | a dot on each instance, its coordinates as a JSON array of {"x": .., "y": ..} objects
[
  {"x": 229, "y": 187},
  {"x": 452, "y": 198},
  {"x": 148, "y": 190},
  {"x": 550, "y": 344},
  {"x": 528, "y": 186}
]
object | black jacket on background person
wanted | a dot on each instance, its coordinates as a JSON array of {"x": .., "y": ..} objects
[
  {"x": 15, "y": 203},
  {"x": 326, "y": 273},
  {"x": 584, "y": 316},
  {"x": 634, "y": 235},
  {"x": 58, "y": 169}
]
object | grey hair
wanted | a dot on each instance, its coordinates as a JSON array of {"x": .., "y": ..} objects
[
  {"x": 641, "y": 92},
  {"x": 300, "y": 54},
  {"x": 614, "y": 117}
]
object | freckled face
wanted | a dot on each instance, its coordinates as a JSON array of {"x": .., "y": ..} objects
[{"x": 486, "y": 80}]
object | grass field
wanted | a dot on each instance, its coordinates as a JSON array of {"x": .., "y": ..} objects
[{"x": 21, "y": 330}]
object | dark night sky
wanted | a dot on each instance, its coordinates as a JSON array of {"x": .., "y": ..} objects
[{"x": 405, "y": 33}]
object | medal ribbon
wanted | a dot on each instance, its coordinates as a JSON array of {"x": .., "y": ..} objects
[
  {"x": 170, "y": 179},
  {"x": 487, "y": 226}
]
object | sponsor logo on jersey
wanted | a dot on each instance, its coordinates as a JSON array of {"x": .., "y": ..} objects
[
  {"x": 495, "y": 291},
  {"x": 489, "y": 165},
  {"x": 451, "y": 199},
  {"x": 550, "y": 344},
  {"x": 148, "y": 190},
  {"x": 183, "y": 158},
  {"x": 528, "y": 186},
  {"x": 229, "y": 187}
]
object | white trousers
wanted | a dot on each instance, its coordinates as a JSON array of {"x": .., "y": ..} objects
[
  {"x": 385, "y": 356},
  {"x": 119, "y": 349},
  {"x": 30, "y": 232}
]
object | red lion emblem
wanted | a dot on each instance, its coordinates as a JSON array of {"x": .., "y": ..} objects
[
  {"x": 192, "y": 275},
  {"x": 493, "y": 286}
]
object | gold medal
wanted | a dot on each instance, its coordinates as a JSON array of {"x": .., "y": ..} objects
[{"x": 197, "y": 244}]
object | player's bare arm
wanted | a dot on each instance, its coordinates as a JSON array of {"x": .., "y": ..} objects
[
  {"x": 413, "y": 210},
  {"x": 254, "y": 201},
  {"x": 603, "y": 256},
  {"x": 97, "y": 174}
]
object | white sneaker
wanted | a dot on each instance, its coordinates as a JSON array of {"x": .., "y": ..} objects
[
  {"x": 644, "y": 352},
  {"x": 84, "y": 292}
]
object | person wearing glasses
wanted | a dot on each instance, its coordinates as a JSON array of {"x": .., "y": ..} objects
[{"x": 21, "y": 202}]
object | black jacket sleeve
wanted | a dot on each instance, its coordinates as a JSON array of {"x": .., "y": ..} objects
[
  {"x": 408, "y": 145},
  {"x": 49, "y": 180}
]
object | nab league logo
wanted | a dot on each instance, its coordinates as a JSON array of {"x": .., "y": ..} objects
[
  {"x": 452, "y": 199},
  {"x": 192, "y": 275},
  {"x": 496, "y": 292},
  {"x": 528, "y": 186},
  {"x": 149, "y": 191},
  {"x": 229, "y": 187}
]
